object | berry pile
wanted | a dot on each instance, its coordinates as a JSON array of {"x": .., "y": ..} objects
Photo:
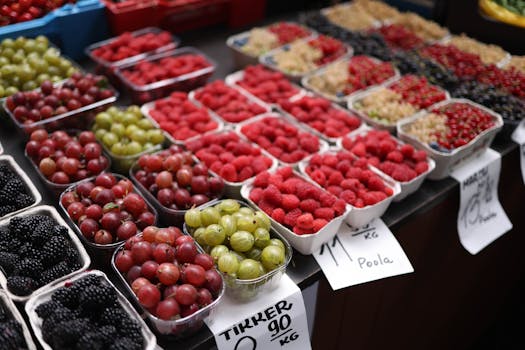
[
  {"x": 17, "y": 11},
  {"x": 399, "y": 37},
  {"x": 128, "y": 45},
  {"x": 319, "y": 114},
  {"x": 509, "y": 80},
  {"x": 227, "y": 102},
  {"x": 348, "y": 178},
  {"x": 281, "y": 139},
  {"x": 292, "y": 201},
  {"x": 168, "y": 275},
  {"x": 147, "y": 72},
  {"x": 13, "y": 193},
  {"x": 364, "y": 71},
  {"x": 288, "y": 32},
  {"x": 77, "y": 92},
  {"x": 35, "y": 251},
  {"x": 417, "y": 91},
  {"x": 63, "y": 159},
  {"x": 176, "y": 180},
  {"x": 11, "y": 332},
  {"x": 86, "y": 314},
  {"x": 381, "y": 150},
  {"x": 107, "y": 210},
  {"x": 268, "y": 85},
  {"x": 331, "y": 48},
  {"x": 463, "y": 64},
  {"x": 230, "y": 157},
  {"x": 239, "y": 238},
  {"x": 179, "y": 117}
]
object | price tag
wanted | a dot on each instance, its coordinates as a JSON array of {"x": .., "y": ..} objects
[
  {"x": 481, "y": 218},
  {"x": 362, "y": 255},
  {"x": 518, "y": 136},
  {"x": 273, "y": 320}
]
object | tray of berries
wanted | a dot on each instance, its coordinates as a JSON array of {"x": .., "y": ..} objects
[
  {"x": 340, "y": 173},
  {"x": 250, "y": 255},
  {"x": 173, "y": 180},
  {"x": 383, "y": 106},
  {"x": 17, "y": 191},
  {"x": 231, "y": 157},
  {"x": 157, "y": 75},
  {"x": 283, "y": 139},
  {"x": 450, "y": 132},
  {"x": 70, "y": 104},
  {"x": 396, "y": 160},
  {"x": 247, "y": 46},
  {"x": 180, "y": 118},
  {"x": 265, "y": 84},
  {"x": 321, "y": 117},
  {"x": 106, "y": 210},
  {"x": 16, "y": 334},
  {"x": 305, "y": 56},
  {"x": 42, "y": 250},
  {"x": 339, "y": 80},
  {"x": 125, "y": 135},
  {"x": 231, "y": 105},
  {"x": 130, "y": 47},
  {"x": 172, "y": 279},
  {"x": 87, "y": 311},
  {"x": 302, "y": 212},
  {"x": 62, "y": 158}
]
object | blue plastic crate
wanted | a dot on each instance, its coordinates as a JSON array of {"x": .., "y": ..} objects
[{"x": 71, "y": 27}]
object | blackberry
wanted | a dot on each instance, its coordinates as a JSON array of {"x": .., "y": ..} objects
[
  {"x": 72, "y": 258},
  {"x": 66, "y": 296},
  {"x": 20, "y": 285},
  {"x": 12, "y": 336},
  {"x": 24, "y": 227},
  {"x": 5, "y": 234},
  {"x": 112, "y": 316},
  {"x": 94, "y": 298},
  {"x": 84, "y": 282},
  {"x": 54, "y": 272},
  {"x": 43, "y": 233},
  {"x": 6, "y": 209},
  {"x": 68, "y": 332},
  {"x": 125, "y": 343},
  {"x": 28, "y": 267},
  {"x": 57, "y": 315},
  {"x": 8, "y": 261},
  {"x": 27, "y": 250},
  {"x": 60, "y": 231},
  {"x": 10, "y": 191},
  {"x": 24, "y": 200},
  {"x": 14, "y": 245},
  {"x": 45, "y": 310},
  {"x": 131, "y": 329},
  {"x": 54, "y": 250},
  {"x": 91, "y": 341},
  {"x": 108, "y": 333}
]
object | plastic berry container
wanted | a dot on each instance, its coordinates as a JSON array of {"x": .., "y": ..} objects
[
  {"x": 446, "y": 161},
  {"x": 248, "y": 289},
  {"x": 55, "y": 188},
  {"x": 308, "y": 243},
  {"x": 28, "y": 184},
  {"x": 150, "y": 341},
  {"x": 108, "y": 67},
  {"x": 85, "y": 260},
  {"x": 1, "y": 149},
  {"x": 102, "y": 250},
  {"x": 10, "y": 307},
  {"x": 144, "y": 93}
]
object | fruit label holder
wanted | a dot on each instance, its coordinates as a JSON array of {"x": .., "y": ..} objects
[
  {"x": 249, "y": 289},
  {"x": 180, "y": 327},
  {"x": 391, "y": 128},
  {"x": 445, "y": 162},
  {"x": 308, "y": 243},
  {"x": 102, "y": 250},
  {"x": 186, "y": 82},
  {"x": 305, "y": 81},
  {"x": 251, "y": 98},
  {"x": 150, "y": 341},
  {"x": 500, "y": 64},
  {"x": 323, "y": 145},
  {"x": 8, "y": 303},
  {"x": 407, "y": 187},
  {"x": 242, "y": 59},
  {"x": 84, "y": 256},
  {"x": 359, "y": 217},
  {"x": 28, "y": 184},
  {"x": 268, "y": 60}
]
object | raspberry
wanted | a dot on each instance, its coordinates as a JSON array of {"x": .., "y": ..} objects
[
  {"x": 272, "y": 195},
  {"x": 348, "y": 196},
  {"x": 419, "y": 156},
  {"x": 371, "y": 198},
  {"x": 421, "y": 167},
  {"x": 343, "y": 166},
  {"x": 290, "y": 202},
  {"x": 275, "y": 180},
  {"x": 376, "y": 184},
  {"x": 318, "y": 176},
  {"x": 351, "y": 184},
  {"x": 335, "y": 178},
  {"x": 305, "y": 221},
  {"x": 353, "y": 173},
  {"x": 278, "y": 215},
  {"x": 228, "y": 173},
  {"x": 300, "y": 231},
  {"x": 330, "y": 160},
  {"x": 339, "y": 207},
  {"x": 324, "y": 213},
  {"x": 266, "y": 207},
  {"x": 309, "y": 205},
  {"x": 326, "y": 199},
  {"x": 245, "y": 173},
  {"x": 318, "y": 224},
  {"x": 259, "y": 165},
  {"x": 395, "y": 156},
  {"x": 256, "y": 194},
  {"x": 407, "y": 150},
  {"x": 306, "y": 191},
  {"x": 386, "y": 147},
  {"x": 335, "y": 190},
  {"x": 261, "y": 180},
  {"x": 285, "y": 172},
  {"x": 359, "y": 149},
  {"x": 359, "y": 203},
  {"x": 291, "y": 217},
  {"x": 290, "y": 185}
]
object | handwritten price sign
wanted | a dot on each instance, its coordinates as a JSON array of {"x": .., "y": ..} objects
[
  {"x": 362, "y": 255},
  {"x": 481, "y": 218}
]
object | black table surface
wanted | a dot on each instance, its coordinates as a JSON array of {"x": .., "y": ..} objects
[{"x": 303, "y": 270}]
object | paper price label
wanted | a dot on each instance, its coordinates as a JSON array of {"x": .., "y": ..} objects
[
  {"x": 356, "y": 256},
  {"x": 481, "y": 218},
  {"x": 273, "y": 320},
  {"x": 518, "y": 136}
]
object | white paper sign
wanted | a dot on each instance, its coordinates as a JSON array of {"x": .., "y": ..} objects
[
  {"x": 273, "y": 320},
  {"x": 481, "y": 218},
  {"x": 518, "y": 136},
  {"x": 357, "y": 256}
]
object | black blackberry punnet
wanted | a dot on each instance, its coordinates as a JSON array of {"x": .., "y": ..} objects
[
  {"x": 13, "y": 192},
  {"x": 11, "y": 332}
]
